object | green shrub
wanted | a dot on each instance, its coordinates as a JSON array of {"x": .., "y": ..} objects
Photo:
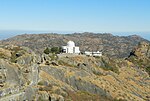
[
  {"x": 148, "y": 70},
  {"x": 108, "y": 66},
  {"x": 55, "y": 50},
  {"x": 42, "y": 83},
  {"x": 13, "y": 57},
  {"x": 2, "y": 55},
  {"x": 61, "y": 62},
  {"x": 53, "y": 56},
  {"x": 119, "y": 100},
  {"x": 47, "y": 51}
]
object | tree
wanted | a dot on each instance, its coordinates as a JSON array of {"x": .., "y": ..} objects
[
  {"x": 47, "y": 51},
  {"x": 56, "y": 50}
]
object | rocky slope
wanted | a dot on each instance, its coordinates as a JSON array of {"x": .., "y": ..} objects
[
  {"x": 140, "y": 56},
  {"x": 25, "y": 75},
  {"x": 113, "y": 46}
]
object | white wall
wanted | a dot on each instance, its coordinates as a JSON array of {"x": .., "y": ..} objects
[{"x": 71, "y": 49}]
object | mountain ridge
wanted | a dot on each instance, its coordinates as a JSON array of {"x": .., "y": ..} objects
[{"x": 110, "y": 45}]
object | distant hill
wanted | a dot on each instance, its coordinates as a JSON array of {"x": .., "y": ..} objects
[{"x": 114, "y": 46}]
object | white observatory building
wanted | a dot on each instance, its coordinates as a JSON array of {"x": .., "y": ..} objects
[{"x": 70, "y": 48}]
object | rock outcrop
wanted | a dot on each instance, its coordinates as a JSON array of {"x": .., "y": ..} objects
[{"x": 140, "y": 56}]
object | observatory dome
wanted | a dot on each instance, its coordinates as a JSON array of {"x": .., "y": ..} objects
[{"x": 71, "y": 44}]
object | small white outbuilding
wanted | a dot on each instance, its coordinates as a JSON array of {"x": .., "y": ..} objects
[
  {"x": 93, "y": 53},
  {"x": 70, "y": 48}
]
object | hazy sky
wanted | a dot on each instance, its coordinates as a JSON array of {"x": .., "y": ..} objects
[{"x": 76, "y": 15}]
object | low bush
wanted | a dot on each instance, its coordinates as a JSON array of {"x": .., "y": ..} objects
[
  {"x": 109, "y": 66},
  {"x": 148, "y": 70},
  {"x": 54, "y": 50}
]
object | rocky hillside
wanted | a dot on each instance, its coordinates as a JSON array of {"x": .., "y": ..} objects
[
  {"x": 113, "y": 46},
  {"x": 25, "y": 75},
  {"x": 140, "y": 56}
]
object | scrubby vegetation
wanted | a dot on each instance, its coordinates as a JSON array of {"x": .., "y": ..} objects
[
  {"x": 141, "y": 56},
  {"x": 64, "y": 63},
  {"x": 16, "y": 52},
  {"x": 148, "y": 70},
  {"x": 47, "y": 51},
  {"x": 110, "y": 66},
  {"x": 54, "y": 50}
]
